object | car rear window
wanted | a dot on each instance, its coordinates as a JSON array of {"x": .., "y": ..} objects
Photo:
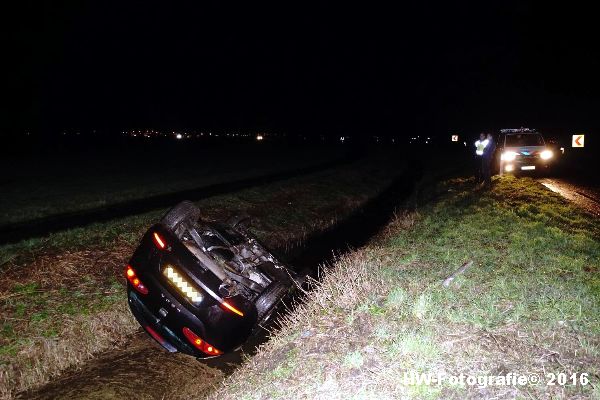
[{"x": 527, "y": 139}]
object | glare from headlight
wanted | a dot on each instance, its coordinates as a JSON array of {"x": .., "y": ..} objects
[
  {"x": 546, "y": 154},
  {"x": 509, "y": 168},
  {"x": 508, "y": 156}
]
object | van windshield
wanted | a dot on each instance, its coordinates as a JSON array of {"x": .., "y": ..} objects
[{"x": 524, "y": 139}]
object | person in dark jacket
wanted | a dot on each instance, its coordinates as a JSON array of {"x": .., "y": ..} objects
[{"x": 486, "y": 160}]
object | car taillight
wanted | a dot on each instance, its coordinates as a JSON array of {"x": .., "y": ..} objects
[
  {"x": 135, "y": 281},
  {"x": 232, "y": 308},
  {"x": 200, "y": 344},
  {"x": 160, "y": 243}
]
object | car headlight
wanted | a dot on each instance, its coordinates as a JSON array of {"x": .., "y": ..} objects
[
  {"x": 508, "y": 156},
  {"x": 546, "y": 154}
]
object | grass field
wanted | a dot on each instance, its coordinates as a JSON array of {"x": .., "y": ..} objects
[
  {"x": 62, "y": 297},
  {"x": 529, "y": 304},
  {"x": 75, "y": 181}
]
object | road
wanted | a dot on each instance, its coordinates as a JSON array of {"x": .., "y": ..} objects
[{"x": 585, "y": 195}]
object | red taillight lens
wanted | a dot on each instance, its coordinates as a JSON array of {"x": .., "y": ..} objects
[
  {"x": 135, "y": 281},
  {"x": 160, "y": 243},
  {"x": 200, "y": 344}
]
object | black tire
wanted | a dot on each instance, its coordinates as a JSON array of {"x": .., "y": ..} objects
[
  {"x": 184, "y": 211},
  {"x": 269, "y": 299}
]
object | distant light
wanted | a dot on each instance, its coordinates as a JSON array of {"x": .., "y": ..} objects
[
  {"x": 259, "y": 137},
  {"x": 179, "y": 136},
  {"x": 562, "y": 150}
]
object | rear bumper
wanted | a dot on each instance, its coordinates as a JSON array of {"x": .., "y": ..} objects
[
  {"x": 166, "y": 337},
  {"x": 163, "y": 317}
]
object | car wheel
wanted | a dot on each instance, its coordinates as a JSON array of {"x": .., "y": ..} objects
[
  {"x": 184, "y": 211},
  {"x": 268, "y": 300}
]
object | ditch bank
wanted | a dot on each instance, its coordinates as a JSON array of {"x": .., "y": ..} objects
[
  {"x": 140, "y": 367},
  {"x": 62, "y": 304}
]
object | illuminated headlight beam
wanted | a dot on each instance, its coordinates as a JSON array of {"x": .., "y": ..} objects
[{"x": 184, "y": 287}]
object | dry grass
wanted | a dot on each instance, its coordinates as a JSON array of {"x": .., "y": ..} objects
[
  {"x": 61, "y": 310},
  {"x": 41, "y": 358},
  {"x": 530, "y": 304}
]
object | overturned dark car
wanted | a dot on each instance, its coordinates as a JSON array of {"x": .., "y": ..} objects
[{"x": 203, "y": 288}]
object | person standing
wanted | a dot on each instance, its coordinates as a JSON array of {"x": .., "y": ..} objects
[
  {"x": 479, "y": 150},
  {"x": 486, "y": 159}
]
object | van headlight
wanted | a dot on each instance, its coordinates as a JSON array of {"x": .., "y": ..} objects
[
  {"x": 546, "y": 154},
  {"x": 508, "y": 156}
]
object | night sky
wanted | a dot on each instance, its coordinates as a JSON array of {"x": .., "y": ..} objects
[{"x": 310, "y": 69}]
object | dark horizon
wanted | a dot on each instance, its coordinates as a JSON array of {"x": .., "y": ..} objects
[{"x": 322, "y": 70}]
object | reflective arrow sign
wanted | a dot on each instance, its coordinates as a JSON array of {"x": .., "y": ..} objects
[
  {"x": 455, "y": 138},
  {"x": 577, "y": 140}
]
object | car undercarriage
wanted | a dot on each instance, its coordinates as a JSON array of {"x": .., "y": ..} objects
[{"x": 203, "y": 288}]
